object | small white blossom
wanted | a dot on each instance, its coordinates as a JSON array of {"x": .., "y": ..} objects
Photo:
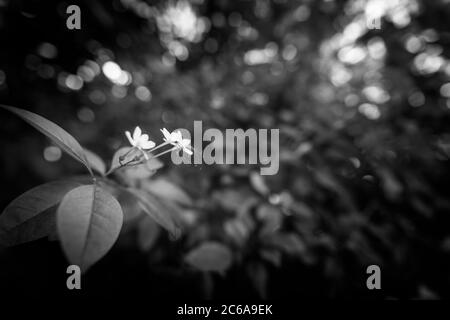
[
  {"x": 173, "y": 138},
  {"x": 139, "y": 140}
]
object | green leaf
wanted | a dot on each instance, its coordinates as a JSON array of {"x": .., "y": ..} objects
[
  {"x": 89, "y": 220},
  {"x": 57, "y": 134},
  {"x": 30, "y": 216},
  {"x": 158, "y": 211},
  {"x": 167, "y": 190},
  {"x": 95, "y": 161},
  {"x": 210, "y": 256}
]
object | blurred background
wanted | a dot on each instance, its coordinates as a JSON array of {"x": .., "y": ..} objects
[{"x": 360, "y": 91}]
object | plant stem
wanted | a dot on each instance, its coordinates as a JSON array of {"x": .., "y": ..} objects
[{"x": 138, "y": 159}]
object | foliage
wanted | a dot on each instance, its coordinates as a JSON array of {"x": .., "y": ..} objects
[
  {"x": 363, "y": 118},
  {"x": 88, "y": 217}
]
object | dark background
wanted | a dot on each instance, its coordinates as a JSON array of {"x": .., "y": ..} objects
[{"x": 364, "y": 139}]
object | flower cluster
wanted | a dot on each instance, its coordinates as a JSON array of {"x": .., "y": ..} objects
[
  {"x": 141, "y": 142},
  {"x": 177, "y": 140}
]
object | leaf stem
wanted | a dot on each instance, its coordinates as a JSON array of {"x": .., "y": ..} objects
[{"x": 138, "y": 159}]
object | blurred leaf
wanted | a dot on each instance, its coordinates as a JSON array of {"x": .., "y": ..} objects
[
  {"x": 425, "y": 293},
  {"x": 232, "y": 199},
  {"x": 327, "y": 180},
  {"x": 57, "y": 134},
  {"x": 302, "y": 210},
  {"x": 29, "y": 217},
  {"x": 289, "y": 243},
  {"x": 95, "y": 162},
  {"x": 237, "y": 230},
  {"x": 257, "y": 273},
  {"x": 210, "y": 256},
  {"x": 272, "y": 256},
  {"x": 421, "y": 207},
  {"x": 130, "y": 207},
  {"x": 247, "y": 205},
  {"x": 89, "y": 220},
  {"x": 158, "y": 212},
  {"x": 166, "y": 189},
  {"x": 271, "y": 217},
  {"x": 258, "y": 183},
  {"x": 391, "y": 186},
  {"x": 148, "y": 232},
  {"x": 144, "y": 170}
]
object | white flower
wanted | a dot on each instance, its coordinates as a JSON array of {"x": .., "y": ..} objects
[
  {"x": 176, "y": 139},
  {"x": 139, "y": 140},
  {"x": 173, "y": 138},
  {"x": 185, "y": 145}
]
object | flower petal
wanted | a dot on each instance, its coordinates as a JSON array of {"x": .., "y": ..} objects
[
  {"x": 130, "y": 139},
  {"x": 143, "y": 138},
  {"x": 176, "y": 136},
  {"x": 185, "y": 142},
  {"x": 137, "y": 133},
  {"x": 166, "y": 134},
  {"x": 147, "y": 144}
]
